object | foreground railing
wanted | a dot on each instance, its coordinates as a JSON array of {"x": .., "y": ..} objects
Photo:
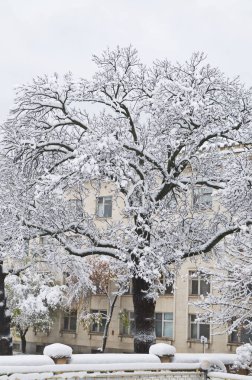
[
  {"x": 102, "y": 371},
  {"x": 122, "y": 371},
  {"x": 227, "y": 376}
]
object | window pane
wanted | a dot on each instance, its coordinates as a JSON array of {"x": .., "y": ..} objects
[
  {"x": 168, "y": 316},
  {"x": 233, "y": 337},
  {"x": 94, "y": 327},
  {"x": 204, "y": 329},
  {"x": 195, "y": 286},
  {"x": 100, "y": 207},
  {"x": 246, "y": 335},
  {"x": 194, "y": 331},
  {"x": 158, "y": 327},
  {"x": 66, "y": 319},
  {"x": 204, "y": 287},
  {"x": 168, "y": 329},
  {"x": 107, "y": 211},
  {"x": 73, "y": 323}
]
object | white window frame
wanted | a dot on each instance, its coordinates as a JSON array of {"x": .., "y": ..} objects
[
  {"x": 198, "y": 325},
  {"x": 164, "y": 321},
  {"x": 99, "y": 326},
  {"x": 101, "y": 212},
  {"x": 202, "y": 198},
  {"x": 69, "y": 315},
  {"x": 194, "y": 277},
  {"x": 77, "y": 206},
  {"x": 129, "y": 329}
]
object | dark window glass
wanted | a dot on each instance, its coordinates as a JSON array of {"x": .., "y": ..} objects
[{"x": 104, "y": 207}]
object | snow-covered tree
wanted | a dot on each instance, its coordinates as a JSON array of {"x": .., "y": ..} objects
[
  {"x": 107, "y": 279},
  {"x": 163, "y": 137},
  {"x": 229, "y": 306},
  {"x": 32, "y": 297}
]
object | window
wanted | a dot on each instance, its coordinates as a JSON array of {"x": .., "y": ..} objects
[
  {"x": 242, "y": 334},
  {"x": 197, "y": 329},
  {"x": 170, "y": 202},
  {"x": 98, "y": 327},
  {"x": 104, "y": 207},
  {"x": 202, "y": 198},
  {"x": 40, "y": 349},
  {"x": 164, "y": 325},
  {"x": 76, "y": 207},
  {"x": 169, "y": 289},
  {"x": 129, "y": 289},
  {"x": 198, "y": 285},
  {"x": 127, "y": 323},
  {"x": 70, "y": 321}
]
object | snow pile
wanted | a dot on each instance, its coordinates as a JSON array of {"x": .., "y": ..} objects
[
  {"x": 244, "y": 356},
  {"x": 162, "y": 349},
  {"x": 58, "y": 350},
  {"x": 213, "y": 365}
]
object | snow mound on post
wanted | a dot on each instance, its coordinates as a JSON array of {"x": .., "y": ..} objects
[
  {"x": 213, "y": 365},
  {"x": 162, "y": 349},
  {"x": 58, "y": 350}
]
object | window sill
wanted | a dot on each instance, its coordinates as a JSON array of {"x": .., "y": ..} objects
[
  {"x": 69, "y": 332},
  {"x": 103, "y": 217},
  {"x": 95, "y": 333},
  {"x": 234, "y": 343},
  {"x": 121, "y": 336},
  {"x": 192, "y": 341},
  {"x": 165, "y": 339}
]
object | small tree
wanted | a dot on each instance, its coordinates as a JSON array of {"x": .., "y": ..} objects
[
  {"x": 32, "y": 298},
  {"x": 105, "y": 278}
]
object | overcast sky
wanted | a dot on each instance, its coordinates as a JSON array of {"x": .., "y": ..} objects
[{"x": 46, "y": 36}]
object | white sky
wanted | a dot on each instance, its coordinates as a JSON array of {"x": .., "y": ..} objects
[{"x": 46, "y": 36}]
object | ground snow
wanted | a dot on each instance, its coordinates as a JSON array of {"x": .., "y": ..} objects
[
  {"x": 58, "y": 350},
  {"x": 162, "y": 349}
]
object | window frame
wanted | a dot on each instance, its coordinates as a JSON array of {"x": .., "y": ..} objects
[
  {"x": 71, "y": 315},
  {"x": 238, "y": 335},
  {"x": 199, "y": 326},
  {"x": 103, "y": 214},
  {"x": 77, "y": 206},
  {"x": 202, "y": 198},
  {"x": 128, "y": 330},
  {"x": 201, "y": 282},
  {"x": 164, "y": 321},
  {"x": 100, "y": 326}
]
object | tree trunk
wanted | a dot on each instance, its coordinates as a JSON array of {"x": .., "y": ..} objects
[
  {"x": 144, "y": 312},
  {"x": 23, "y": 342},
  {"x": 106, "y": 329}
]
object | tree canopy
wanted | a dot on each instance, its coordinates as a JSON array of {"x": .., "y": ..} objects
[{"x": 159, "y": 136}]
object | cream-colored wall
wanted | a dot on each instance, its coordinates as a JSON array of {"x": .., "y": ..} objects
[{"x": 179, "y": 304}]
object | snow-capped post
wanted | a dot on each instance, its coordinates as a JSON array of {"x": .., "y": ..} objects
[
  {"x": 164, "y": 351},
  {"x": 5, "y": 336},
  {"x": 60, "y": 353}
]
